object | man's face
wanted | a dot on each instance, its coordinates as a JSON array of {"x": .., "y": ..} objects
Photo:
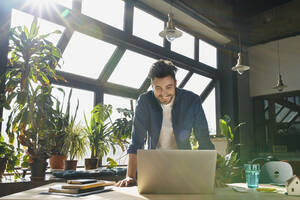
[{"x": 164, "y": 89}]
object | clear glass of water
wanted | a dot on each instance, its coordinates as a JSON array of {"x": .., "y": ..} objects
[{"x": 252, "y": 175}]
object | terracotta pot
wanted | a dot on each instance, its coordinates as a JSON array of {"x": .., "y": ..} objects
[
  {"x": 3, "y": 162},
  {"x": 57, "y": 161},
  {"x": 70, "y": 164},
  {"x": 90, "y": 163},
  {"x": 38, "y": 169}
]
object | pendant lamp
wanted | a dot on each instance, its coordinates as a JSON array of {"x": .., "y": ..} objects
[
  {"x": 170, "y": 32},
  {"x": 280, "y": 85},
  {"x": 239, "y": 67}
]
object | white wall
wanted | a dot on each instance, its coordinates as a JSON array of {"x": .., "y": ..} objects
[{"x": 263, "y": 61}]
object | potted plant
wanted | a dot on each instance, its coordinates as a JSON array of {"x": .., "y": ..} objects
[
  {"x": 9, "y": 158},
  {"x": 227, "y": 166},
  {"x": 103, "y": 134},
  {"x": 75, "y": 145},
  {"x": 61, "y": 120},
  {"x": 31, "y": 66}
]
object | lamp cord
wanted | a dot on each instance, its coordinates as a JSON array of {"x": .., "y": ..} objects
[
  {"x": 278, "y": 57},
  {"x": 240, "y": 44}
]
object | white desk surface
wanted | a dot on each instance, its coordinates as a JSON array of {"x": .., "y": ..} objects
[{"x": 131, "y": 193}]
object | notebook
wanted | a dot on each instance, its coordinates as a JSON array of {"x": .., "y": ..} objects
[{"x": 176, "y": 171}]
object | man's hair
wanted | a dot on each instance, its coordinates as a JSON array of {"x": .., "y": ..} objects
[{"x": 162, "y": 68}]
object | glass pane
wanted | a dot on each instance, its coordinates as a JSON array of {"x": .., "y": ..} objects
[
  {"x": 291, "y": 99},
  {"x": 209, "y": 107},
  {"x": 290, "y": 116},
  {"x": 180, "y": 75},
  {"x": 184, "y": 45},
  {"x": 207, "y": 54},
  {"x": 86, "y": 55},
  {"x": 20, "y": 18},
  {"x": 108, "y": 11},
  {"x": 197, "y": 83},
  {"x": 282, "y": 114},
  {"x": 147, "y": 26},
  {"x": 129, "y": 63},
  {"x": 266, "y": 103},
  {"x": 297, "y": 100},
  {"x": 277, "y": 108},
  {"x": 86, "y": 104},
  {"x": 267, "y": 115},
  {"x": 85, "y": 98},
  {"x": 66, "y": 3},
  {"x": 117, "y": 102}
]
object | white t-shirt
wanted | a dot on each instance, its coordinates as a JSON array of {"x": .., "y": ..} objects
[{"x": 166, "y": 138}]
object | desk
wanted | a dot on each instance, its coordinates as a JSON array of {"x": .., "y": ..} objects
[{"x": 131, "y": 193}]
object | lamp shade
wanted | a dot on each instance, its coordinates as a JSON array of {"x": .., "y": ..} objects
[
  {"x": 170, "y": 32},
  {"x": 280, "y": 85},
  {"x": 239, "y": 67}
]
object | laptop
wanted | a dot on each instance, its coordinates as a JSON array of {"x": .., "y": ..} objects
[{"x": 176, "y": 171}]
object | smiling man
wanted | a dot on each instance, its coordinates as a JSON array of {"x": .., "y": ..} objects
[{"x": 167, "y": 115}]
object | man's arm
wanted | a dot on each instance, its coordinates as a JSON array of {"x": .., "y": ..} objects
[{"x": 130, "y": 179}]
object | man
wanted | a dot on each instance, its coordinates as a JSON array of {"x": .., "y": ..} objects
[{"x": 166, "y": 115}]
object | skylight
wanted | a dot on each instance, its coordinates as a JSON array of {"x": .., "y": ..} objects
[
  {"x": 107, "y": 11},
  {"x": 132, "y": 69},
  {"x": 86, "y": 55},
  {"x": 147, "y": 26},
  {"x": 184, "y": 45},
  {"x": 197, "y": 83},
  {"x": 20, "y": 18},
  {"x": 207, "y": 54}
]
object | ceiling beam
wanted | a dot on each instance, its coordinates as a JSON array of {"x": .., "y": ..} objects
[{"x": 94, "y": 28}]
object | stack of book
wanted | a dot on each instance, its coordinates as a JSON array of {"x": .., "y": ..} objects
[{"x": 80, "y": 187}]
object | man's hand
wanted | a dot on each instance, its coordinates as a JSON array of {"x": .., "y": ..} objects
[{"x": 127, "y": 182}]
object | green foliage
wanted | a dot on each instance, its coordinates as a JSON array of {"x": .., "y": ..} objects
[
  {"x": 229, "y": 132},
  {"x": 122, "y": 127},
  {"x": 62, "y": 120},
  {"x": 111, "y": 163},
  {"x": 227, "y": 166},
  {"x": 76, "y": 142},
  {"x": 103, "y": 134},
  {"x": 8, "y": 152},
  {"x": 226, "y": 169},
  {"x": 31, "y": 66}
]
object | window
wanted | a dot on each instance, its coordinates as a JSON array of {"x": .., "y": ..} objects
[
  {"x": 66, "y": 3},
  {"x": 85, "y": 98},
  {"x": 20, "y": 18},
  {"x": 86, "y": 104},
  {"x": 86, "y": 55},
  {"x": 180, "y": 75},
  {"x": 147, "y": 26},
  {"x": 207, "y": 54},
  {"x": 132, "y": 69},
  {"x": 197, "y": 83},
  {"x": 117, "y": 102},
  {"x": 107, "y": 11},
  {"x": 209, "y": 107},
  {"x": 184, "y": 45}
]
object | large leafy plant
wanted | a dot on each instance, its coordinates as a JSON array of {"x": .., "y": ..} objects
[
  {"x": 227, "y": 166},
  {"x": 99, "y": 131},
  {"x": 63, "y": 122},
  {"x": 103, "y": 134},
  {"x": 8, "y": 152},
  {"x": 31, "y": 67}
]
